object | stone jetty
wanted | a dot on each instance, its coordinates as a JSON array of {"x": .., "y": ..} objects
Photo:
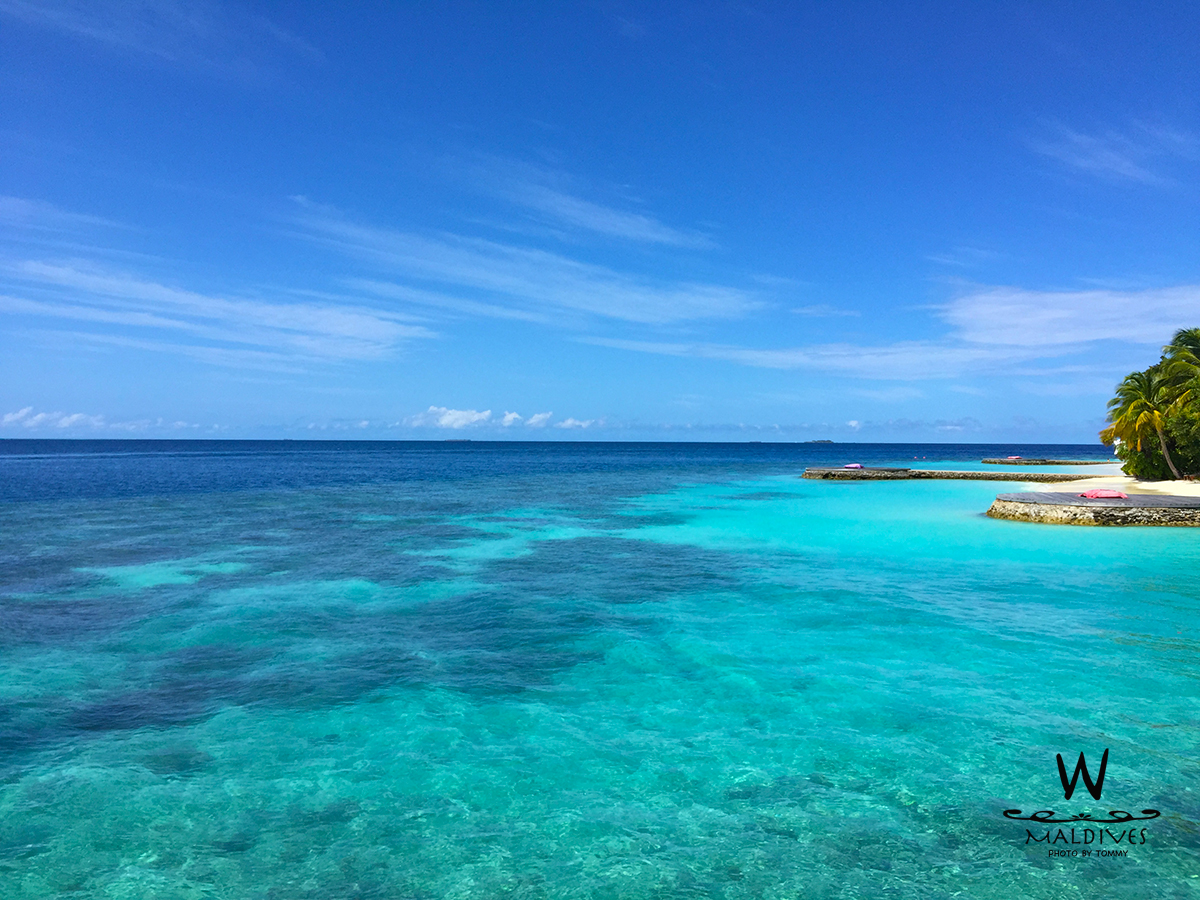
[
  {"x": 882, "y": 474},
  {"x": 1071, "y": 509},
  {"x": 1050, "y": 462}
]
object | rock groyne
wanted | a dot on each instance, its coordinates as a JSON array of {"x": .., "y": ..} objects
[
  {"x": 882, "y": 474},
  {"x": 1050, "y": 462},
  {"x": 1071, "y": 509}
]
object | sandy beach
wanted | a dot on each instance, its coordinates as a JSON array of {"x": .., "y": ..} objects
[{"x": 1120, "y": 482}]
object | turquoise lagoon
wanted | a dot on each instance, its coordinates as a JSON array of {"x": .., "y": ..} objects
[{"x": 575, "y": 671}]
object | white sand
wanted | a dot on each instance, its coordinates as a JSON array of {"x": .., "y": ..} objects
[{"x": 1124, "y": 483}]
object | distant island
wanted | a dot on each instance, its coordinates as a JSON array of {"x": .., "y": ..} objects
[{"x": 822, "y": 441}]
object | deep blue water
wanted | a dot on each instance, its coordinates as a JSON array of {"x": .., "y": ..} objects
[
  {"x": 283, "y": 669},
  {"x": 71, "y": 469}
]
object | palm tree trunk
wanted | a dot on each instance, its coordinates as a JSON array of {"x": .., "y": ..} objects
[{"x": 1162, "y": 442}]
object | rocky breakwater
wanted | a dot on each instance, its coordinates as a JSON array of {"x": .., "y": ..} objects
[
  {"x": 883, "y": 474},
  {"x": 1019, "y": 461},
  {"x": 1072, "y": 509}
]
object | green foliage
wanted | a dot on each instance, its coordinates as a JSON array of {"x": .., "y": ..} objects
[
  {"x": 1183, "y": 437},
  {"x": 1147, "y": 464},
  {"x": 1155, "y": 415}
]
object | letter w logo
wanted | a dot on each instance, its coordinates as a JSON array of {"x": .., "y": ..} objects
[{"x": 1081, "y": 767}]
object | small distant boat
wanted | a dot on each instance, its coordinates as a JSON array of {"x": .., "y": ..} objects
[{"x": 1013, "y": 457}]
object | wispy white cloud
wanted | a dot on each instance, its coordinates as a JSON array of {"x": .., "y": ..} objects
[
  {"x": 630, "y": 28},
  {"x": 18, "y": 416},
  {"x": 1133, "y": 155},
  {"x": 199, "y": 33},
  {"x": 824, "y": 310},
  {"x": 550, "y": 195},
  {"x": 340, "y": 425},
  {"x": 1016, "y": 317},
  {"x": 84, "y": 293},
  {"x": 903, "y": 361},
  {"x": 577, "y": 212},
  {"x": 963, "y": 424},
  {"x": 27, "y": 419},
  {"x": 896, "y": 394},
  {"x": 571, "y": 423},
  {"x": 524, "y": 280},
  {"x": 966, "y": 423},
  {"x": 38, "y": 215},
  {"x": 995, "y": 329},
  {"x": 226, "y": 357},
  {"x": 444, "y": 302},
  {"x": 1069, "y": 387},
  {"x": 535, "y": 421},
  {"x": 442, "y": 417},
  {"x": 965, "y": 257}
]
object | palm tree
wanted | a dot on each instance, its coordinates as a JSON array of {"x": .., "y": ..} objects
[
  {"x": 1142, "y": 403},
  {"x": 1182, "y": 358},
  {"x": 1186, "y": 341}
]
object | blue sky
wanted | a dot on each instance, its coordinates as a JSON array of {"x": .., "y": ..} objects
[{"x": 705, "y": 221}]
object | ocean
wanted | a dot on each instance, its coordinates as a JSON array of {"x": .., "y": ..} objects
[{"x": 560, "y": 670}]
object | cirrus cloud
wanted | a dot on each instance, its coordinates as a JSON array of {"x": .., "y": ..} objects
[
  {"x": 518, "y": 281},
  {"x": 1017, "y": 317},
  {"x": 1136, "y": 154},
  {"x": 221, "y": 328}
]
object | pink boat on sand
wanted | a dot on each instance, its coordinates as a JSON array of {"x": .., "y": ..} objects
[
  {"x": 852, "y": 466},
  {"x": 1103, "y": 493}
]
